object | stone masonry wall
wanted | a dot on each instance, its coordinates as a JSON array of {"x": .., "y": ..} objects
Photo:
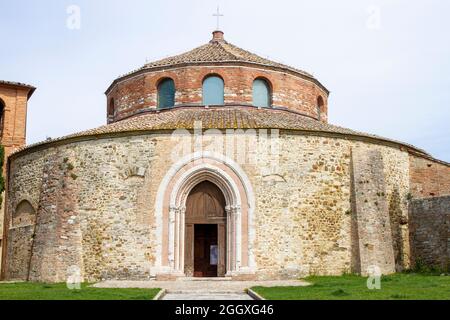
[
  {"x": 20, "y": 239},
  {"x": 430, "y": 232},
  {"x": 370, "y": 217},
  {"x": 95, "y": 206},
  {"x": 140, "y": 93}
]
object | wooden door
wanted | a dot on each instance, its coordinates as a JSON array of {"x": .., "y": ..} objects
[{"x": 205, "y": 231}]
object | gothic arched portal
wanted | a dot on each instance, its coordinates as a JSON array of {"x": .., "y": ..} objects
[{"x": 204, "y": 188}]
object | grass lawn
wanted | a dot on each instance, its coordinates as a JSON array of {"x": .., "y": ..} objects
[
  {"x": 59, "y": 291},
  {"x": 352, "y": 287}
]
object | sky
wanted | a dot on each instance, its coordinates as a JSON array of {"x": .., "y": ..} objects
[{"x": 385, "y": 62}]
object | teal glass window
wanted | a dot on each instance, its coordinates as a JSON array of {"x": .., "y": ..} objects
[
  {"x": 213, "y": 91},
  {"x": 166, "y": 94},
  {"x": 261, "y": 93}
]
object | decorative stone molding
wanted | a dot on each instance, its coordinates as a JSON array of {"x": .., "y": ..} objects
[{"x": 175, "y": 188}]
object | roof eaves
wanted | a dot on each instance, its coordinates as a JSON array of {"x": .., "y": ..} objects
[
  {"x": 164, "y": 124},
  {"x": 30, "y": 88}
]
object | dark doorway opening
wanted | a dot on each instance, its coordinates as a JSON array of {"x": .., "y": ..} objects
[
  {"x": 206, "y": 227},
  {"x": 205, "y": 250}
]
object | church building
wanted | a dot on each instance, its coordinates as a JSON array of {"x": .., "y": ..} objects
[{"x": 220, "y": 163}]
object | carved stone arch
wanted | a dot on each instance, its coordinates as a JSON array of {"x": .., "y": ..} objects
[
  {"x": 171, "y": 207},
  {"x": 205, "y": 173},
  {"x": 188, "y": 180}
]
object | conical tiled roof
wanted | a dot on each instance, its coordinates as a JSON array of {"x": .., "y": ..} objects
[
  {"x": 219, "y": 50},
  {"x": 216, "y": 52}
]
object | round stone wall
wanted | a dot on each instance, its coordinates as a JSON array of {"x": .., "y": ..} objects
[{"x": 308, "y": 204}]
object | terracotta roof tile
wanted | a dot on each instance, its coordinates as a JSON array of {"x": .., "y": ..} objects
[
  {"x": 215, "y": 52},
  {"x": 227, "y": 117},
  {"x": 20, "y": 84},
  {"x": 218, "y": 51}
]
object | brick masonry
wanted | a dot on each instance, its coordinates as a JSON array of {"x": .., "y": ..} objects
[
  {"x": 15, "y": 99},
  {"x": 139, "y": 93},
  {"x": 429, "y": 178},
  {"x": 95, "y": 203}
]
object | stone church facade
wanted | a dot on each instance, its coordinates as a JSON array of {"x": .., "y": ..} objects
[{"x": 220, "y": 163}]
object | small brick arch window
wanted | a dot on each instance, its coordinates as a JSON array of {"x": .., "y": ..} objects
[
  {"x": 213, "y": 90},
  {"x": 2, "y": 115},
  {"x": 320, "y": 105},
  {"x": 24, "y": 214},
  {"x": 166, "y": 93},
  {"x": 262, "y": 93},
  {"x": 111, "y": 107}
]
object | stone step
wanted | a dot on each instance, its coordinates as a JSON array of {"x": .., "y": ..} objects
[
  {"x": 207, "y": 296},
  {"x": 205, "y": 291},
  {"x": 204, "y": 279}
]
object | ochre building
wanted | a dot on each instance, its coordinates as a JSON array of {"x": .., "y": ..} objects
[
  {"x": 220, "y": 163},
  {"x": 14, "y": 98}
]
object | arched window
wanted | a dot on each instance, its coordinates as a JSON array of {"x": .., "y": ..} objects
[
  {"x": 320, "y": 104},
  {"x": 213, "y": 91},
  {"x": 24, "y": 214},
  {"x": 261, "y": 93},
  {"x": 166, "y": 93},
  {"x": 111, "y": 109},
  {"x": 2, "y": 115}
]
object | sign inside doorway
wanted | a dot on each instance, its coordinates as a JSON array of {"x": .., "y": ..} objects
[{"x": 213, "y": 255}]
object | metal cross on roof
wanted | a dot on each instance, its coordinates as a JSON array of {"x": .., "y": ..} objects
[{"x": 218, "y": 15}]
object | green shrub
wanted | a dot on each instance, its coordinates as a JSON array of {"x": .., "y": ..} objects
[{"x": 421, "y": 267}]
